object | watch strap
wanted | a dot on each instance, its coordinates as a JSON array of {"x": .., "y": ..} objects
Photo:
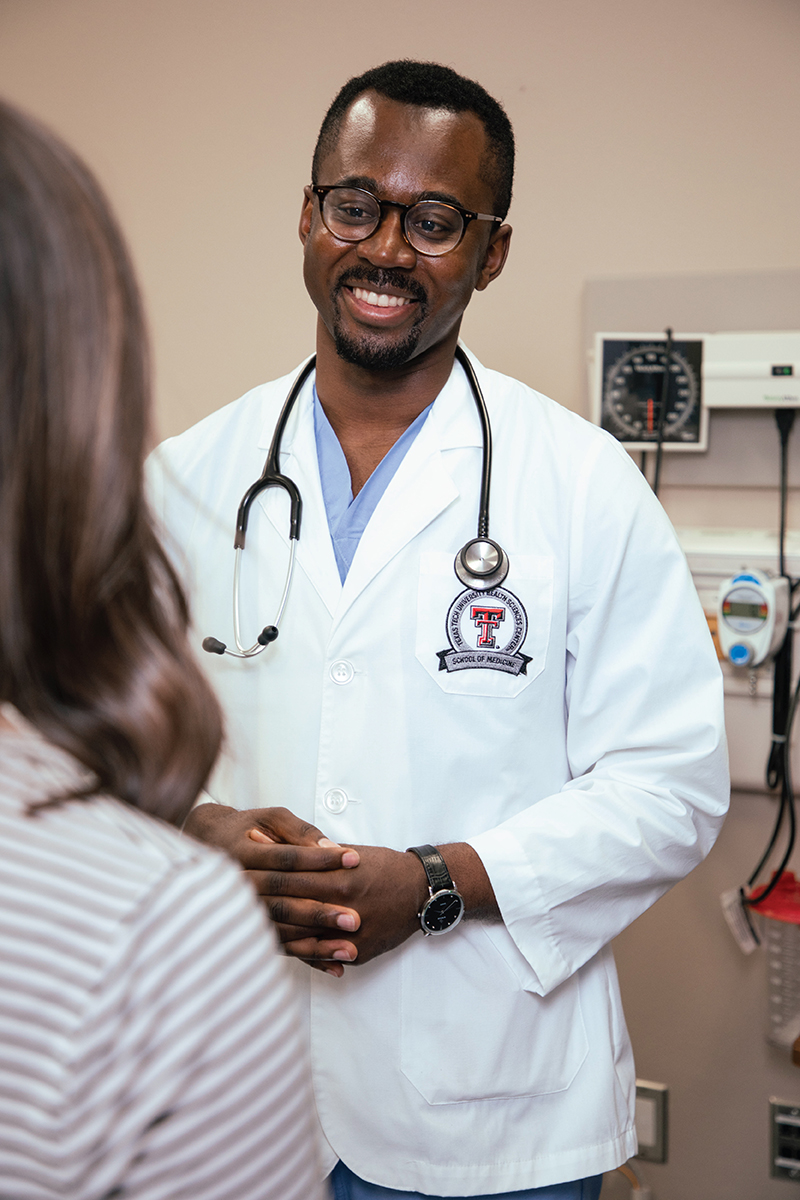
[{"x": 439, "y": 879}]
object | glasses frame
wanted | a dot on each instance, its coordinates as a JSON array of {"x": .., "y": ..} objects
[{"x": 321, "y": 191}]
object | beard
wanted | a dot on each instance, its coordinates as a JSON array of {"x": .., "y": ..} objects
[{"x": 375, "y": 351}]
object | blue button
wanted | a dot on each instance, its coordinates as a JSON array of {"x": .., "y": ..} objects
[{"x": 740, "y": 655}]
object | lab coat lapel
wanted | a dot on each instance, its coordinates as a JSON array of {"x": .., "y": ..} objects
[
  {"x": 421, "y": 488},
  {"x": 299, "y": 462}
]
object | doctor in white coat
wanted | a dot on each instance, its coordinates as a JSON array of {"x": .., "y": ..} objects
[{"x": 551, "y": 748}]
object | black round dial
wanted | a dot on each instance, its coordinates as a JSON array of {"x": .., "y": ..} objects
[
  {"x": 633, "y": 382},
  {"x": 444, "y": 910}
]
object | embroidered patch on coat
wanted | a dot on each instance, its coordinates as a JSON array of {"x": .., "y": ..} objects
[{"x": 485, "y": 630}]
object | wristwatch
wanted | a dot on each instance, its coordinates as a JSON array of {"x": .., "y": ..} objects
[{"x": 444, "y": 908}]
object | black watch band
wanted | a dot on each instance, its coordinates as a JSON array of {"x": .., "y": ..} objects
[
  {"x": 444, "y": 908},
  {"x": 435, "y": 868}
]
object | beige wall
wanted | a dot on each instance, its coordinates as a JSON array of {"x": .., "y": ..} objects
[{"x": 653, "y": 139}]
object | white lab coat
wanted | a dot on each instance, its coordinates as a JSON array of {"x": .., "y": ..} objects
[{"x": 496, "y": 1057}]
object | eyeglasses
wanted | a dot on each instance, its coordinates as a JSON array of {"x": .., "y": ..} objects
[{"x": 429, "y": 226}]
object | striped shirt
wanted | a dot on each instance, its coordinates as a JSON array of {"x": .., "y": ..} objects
[{"x": 149, "y": 1042}]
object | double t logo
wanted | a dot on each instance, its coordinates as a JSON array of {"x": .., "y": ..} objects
[
  {"x": 485, "y": 612},
  {"x": 487, "y": 619}
]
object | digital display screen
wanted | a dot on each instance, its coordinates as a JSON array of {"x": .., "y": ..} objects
[{"x": 737, "y": 608}]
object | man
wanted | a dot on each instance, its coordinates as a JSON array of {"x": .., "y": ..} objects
[{"x": 549, "y": 745}]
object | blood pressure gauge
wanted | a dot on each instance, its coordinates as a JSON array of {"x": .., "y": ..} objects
[
  {"x": 631, "y": 387},
  {"x": 752, "y": 615}
]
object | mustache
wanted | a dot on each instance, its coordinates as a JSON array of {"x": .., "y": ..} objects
[{"x": 382, "y": 277}]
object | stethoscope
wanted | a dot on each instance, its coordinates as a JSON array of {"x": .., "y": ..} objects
[{"x": 480, "y": 565}]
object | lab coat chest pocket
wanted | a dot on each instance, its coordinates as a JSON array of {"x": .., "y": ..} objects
[{"x": 484, "y": 643}]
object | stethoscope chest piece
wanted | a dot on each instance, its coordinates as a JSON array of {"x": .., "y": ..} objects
[{"x": 481, "y": 564}]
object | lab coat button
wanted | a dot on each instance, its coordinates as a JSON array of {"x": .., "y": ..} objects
[
  {"x": 342, "y": 672},
  {"x": 335, "y": 800}
]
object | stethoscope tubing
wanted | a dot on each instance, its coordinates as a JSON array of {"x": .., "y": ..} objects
[
  {"x": 486, "y": 431},
  {"x": 481, "y": 577},
  {"x": 271, "y": 475},
  {"x": 257, "y": 647}
]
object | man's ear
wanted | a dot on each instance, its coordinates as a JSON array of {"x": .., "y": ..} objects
[
  {"x": 495, "y": 259},
  {"x": 306, "y": 213}
]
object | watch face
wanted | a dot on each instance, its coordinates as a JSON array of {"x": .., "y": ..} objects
[{"x": 442, "y": 912}]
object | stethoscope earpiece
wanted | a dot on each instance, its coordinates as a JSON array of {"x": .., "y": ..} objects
[
  {"x": 481, "y": 564},
  {"x": 212, "y": 646},
  {"x": 268, "y": 634}
]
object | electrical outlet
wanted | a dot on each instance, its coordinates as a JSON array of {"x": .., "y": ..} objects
[
  {"x": 785, "y": 1139},
  {"x": 651, "y": 1120}
]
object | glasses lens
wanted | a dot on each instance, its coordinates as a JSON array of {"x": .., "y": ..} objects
[
  {"x": 350, "y": 214},
  {"x": 433, "y": 227}
]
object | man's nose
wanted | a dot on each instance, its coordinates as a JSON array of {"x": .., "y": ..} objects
[{"x": 387, "y": 246}]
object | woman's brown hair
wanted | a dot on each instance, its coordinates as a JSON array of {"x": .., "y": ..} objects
[{"x": 93, "y": 621}]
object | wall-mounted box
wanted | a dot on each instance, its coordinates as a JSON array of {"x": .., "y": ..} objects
[
  {"x": 751, "y": 370},
  {"x": 651, "y": 1120},
  {"x": 714, "y": 555},
  {"x": 785, "y": 1140},
  {"x": 736, "y": 371}
]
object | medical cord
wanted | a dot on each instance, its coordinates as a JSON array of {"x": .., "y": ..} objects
[
  {"x": 787, "y": 806},
  {"x": 784, "y": 419},
  {"x": 638, "y": 1189},
  {"x": 662, "y": 412},
  {"x": 784, "y": 702},
  {"x": 782, "y": 680}
]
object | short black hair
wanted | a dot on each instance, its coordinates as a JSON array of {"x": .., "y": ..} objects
[{"x": 429, "y": 85}]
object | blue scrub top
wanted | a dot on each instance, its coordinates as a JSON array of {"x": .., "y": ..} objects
[{"x": 348, "y": 516}]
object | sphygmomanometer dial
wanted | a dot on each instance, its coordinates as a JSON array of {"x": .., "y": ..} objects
[{"x": 633, "y": 382}]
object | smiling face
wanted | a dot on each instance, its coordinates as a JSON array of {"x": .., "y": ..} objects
[{"x": 381, "y": 303}]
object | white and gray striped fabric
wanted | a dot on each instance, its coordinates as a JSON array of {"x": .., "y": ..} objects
[{"x": 149, "y": 1041}]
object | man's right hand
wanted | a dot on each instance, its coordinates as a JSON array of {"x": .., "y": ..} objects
[{"x": 269, "y": 843}]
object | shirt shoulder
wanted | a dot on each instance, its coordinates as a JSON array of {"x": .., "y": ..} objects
[
  {"x": 88, "y": 864},
  {"x": 242, "y": 421},
  {"x": 565, "y": 438}
]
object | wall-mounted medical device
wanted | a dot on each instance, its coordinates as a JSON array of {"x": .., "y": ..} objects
[
  {"x": 751, "y": 370},
  {"x": 752, "y": 617},
  {"x": 628, "y": 387},
  {"x": 706, "y": 370}
]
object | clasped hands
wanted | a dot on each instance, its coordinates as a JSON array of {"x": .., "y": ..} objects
[{"x": 330, "y": 904}]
